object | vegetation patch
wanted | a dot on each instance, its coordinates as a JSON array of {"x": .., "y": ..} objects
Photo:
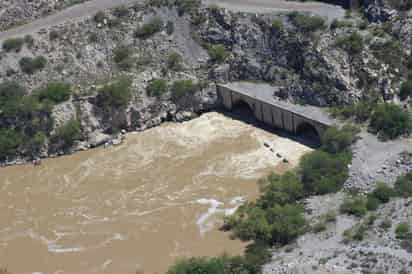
[
  {"x": 182, "y": 88},
  {"x": 116, "y": 94},
  {"x": 66, "y": 134},
  {"x": 30, "y": 65},
  {"x": 217, "y": 53},
  {"x": 157, "y": 87},
  {"x": 55, "y": 92},
  {"x": 307, "y": 23},
  {"x": 122, "y": 56},
  {"x": 389, "y": 121},
  {"x": 150, "y": 28},
  {"x": 13, "y": 44},
  {"x": 405, "y": 90},
  {"x": 174, "y": 61}
]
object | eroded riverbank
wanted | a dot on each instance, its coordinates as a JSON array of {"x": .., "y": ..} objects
[{"x": 138, "y": 206}]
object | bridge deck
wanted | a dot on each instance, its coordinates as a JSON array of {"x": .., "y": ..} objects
[{"x": 264, "y": 92}]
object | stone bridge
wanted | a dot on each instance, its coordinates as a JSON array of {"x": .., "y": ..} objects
[{"x": 258, "y": 97}]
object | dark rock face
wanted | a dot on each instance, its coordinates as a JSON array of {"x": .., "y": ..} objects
[{"x": 284, "y": 57}]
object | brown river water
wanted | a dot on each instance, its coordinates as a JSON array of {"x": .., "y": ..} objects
[{"x": 159, "y": 196}]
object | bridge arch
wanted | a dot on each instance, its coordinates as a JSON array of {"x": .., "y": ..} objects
[{"x": 308, "y": 132}]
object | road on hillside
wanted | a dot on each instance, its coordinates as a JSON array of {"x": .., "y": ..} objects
[{"x": 91, "y": 7}]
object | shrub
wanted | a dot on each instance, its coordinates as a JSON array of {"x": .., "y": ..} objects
[
  {"x": 174, "y": 61},
  {"x": 281, "y": 190},
  {"x": 354, "y": 206},
  {"x": 217, "y": 53},
  {"x": 277, "y": 25},
  {"x": 382, "y": 192},
  {"x": 389, "y": 121},
  {"x": 116, "y": 94},
  {"x": 99, "y": 17},
  {"x": 402, "y": 231},
  {"x": 55, "y": 92},
  {"x": 307, "y": 23},
  {"x": 29, "y": 40},
  {"x": 93, "y": 37},
  {"x": 10, "y": 140},
  {"x": 148, "y": 29},
  {"x": 405, "y": 90},
  {"x": 121, "y": 11},
  {"x": 182, "y": 88},
  {"x": 187, "y": 6},
  {"x": 323, "y": 172},
  {"x": 10, "y": 93},
  {"x": 157, "y": 87},
  {"x": 67, "y": 134},
  {"x": 13, "y": 44},
  {"x": 356, "y": 233},
  {"x": 403, "y": 185},
  {"x": 372, "y": 203},
  {"x": 352, "y": 44},
  {"x": 31, "y": 65},
  {"x": 336, "y": 140},
  {"x": 53, "y": 35},
  {"x": 122, "y": 57}
]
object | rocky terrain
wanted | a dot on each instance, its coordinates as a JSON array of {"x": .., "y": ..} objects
[{"x": 310, "y": 61}]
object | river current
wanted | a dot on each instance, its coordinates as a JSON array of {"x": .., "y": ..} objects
[{"x": 159, "y": 196}]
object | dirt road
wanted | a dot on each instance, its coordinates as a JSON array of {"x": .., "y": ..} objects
[{"x": 90, "y": 7}]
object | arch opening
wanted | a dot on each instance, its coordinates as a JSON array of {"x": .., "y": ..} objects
[
  {"x": 243, "y": 110},
  {"x": 308, "y": 134}
]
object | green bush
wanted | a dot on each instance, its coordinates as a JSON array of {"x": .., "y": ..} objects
[
  {"x": 217, "y": 53},
  {"x": 336, "y": 140},
  {"x": 356, "y": 233},
  {"x": 13, "y": 44},
  {"x": 307, "y": 23},
  {"x": 277, "y": 25},
  {"x": 215, "y": 265},
  {"x": 372, "y": 203},
  {"x": 182, "y": 88},
  {"x": 174, "y": 61},
  {"x": 55, "y": 92},
  {"x": 281, "y": 190},
  {"x": 10, "y": 140},
  {"x": 157, "y": 87},
  {"x": 402, "y": 231},
  {"x": 10, "y": 93},
  {"x": 122, "y": 57},
  {"x": 360, "y": 111},
  {"x": 323, "y": 172},
  {"x": 405, "y": 90},
  {"x": 67, "y": 134},
  {"x": 354, "y": 206},
  {"x": 150, "y": 28},
  {"x": 31, "y": 65},
  {"x": 116, "y": 94},
  {"x": 389, "y": 121},
  {"x": 53, "y": 35},
  {"x": 403, "y": 185},
  {"x": 29, "y": 40},
  {"x": 352, "y": 44},
  {"x": 382, "y": 192}
]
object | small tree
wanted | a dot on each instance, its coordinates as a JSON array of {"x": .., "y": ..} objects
[
  {"x": 405, "y": 90},
  {"x": 67, "y": 134},
  {"x": 157, "y": 87},
  {"x": 390, "y": 121},
  {"x": 182, "y": 88},
  {"x": 116, "y": 94},
  {"x": 55, "y": 92},
  {"x": 31, "y": 65},
  {"x": 174, "y": 61},
  {"x": 217, "y": 53},
  {"x": 150, "y": 28},
  {"x": 402, "y": 231}
]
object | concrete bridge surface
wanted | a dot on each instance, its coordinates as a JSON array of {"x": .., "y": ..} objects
[{"x": 266, "y": 108}]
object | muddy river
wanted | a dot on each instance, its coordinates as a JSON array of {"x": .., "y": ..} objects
[{"x": 139, "y": 206}]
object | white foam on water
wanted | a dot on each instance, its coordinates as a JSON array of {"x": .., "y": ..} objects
[{"x": 215, "y": 208}]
